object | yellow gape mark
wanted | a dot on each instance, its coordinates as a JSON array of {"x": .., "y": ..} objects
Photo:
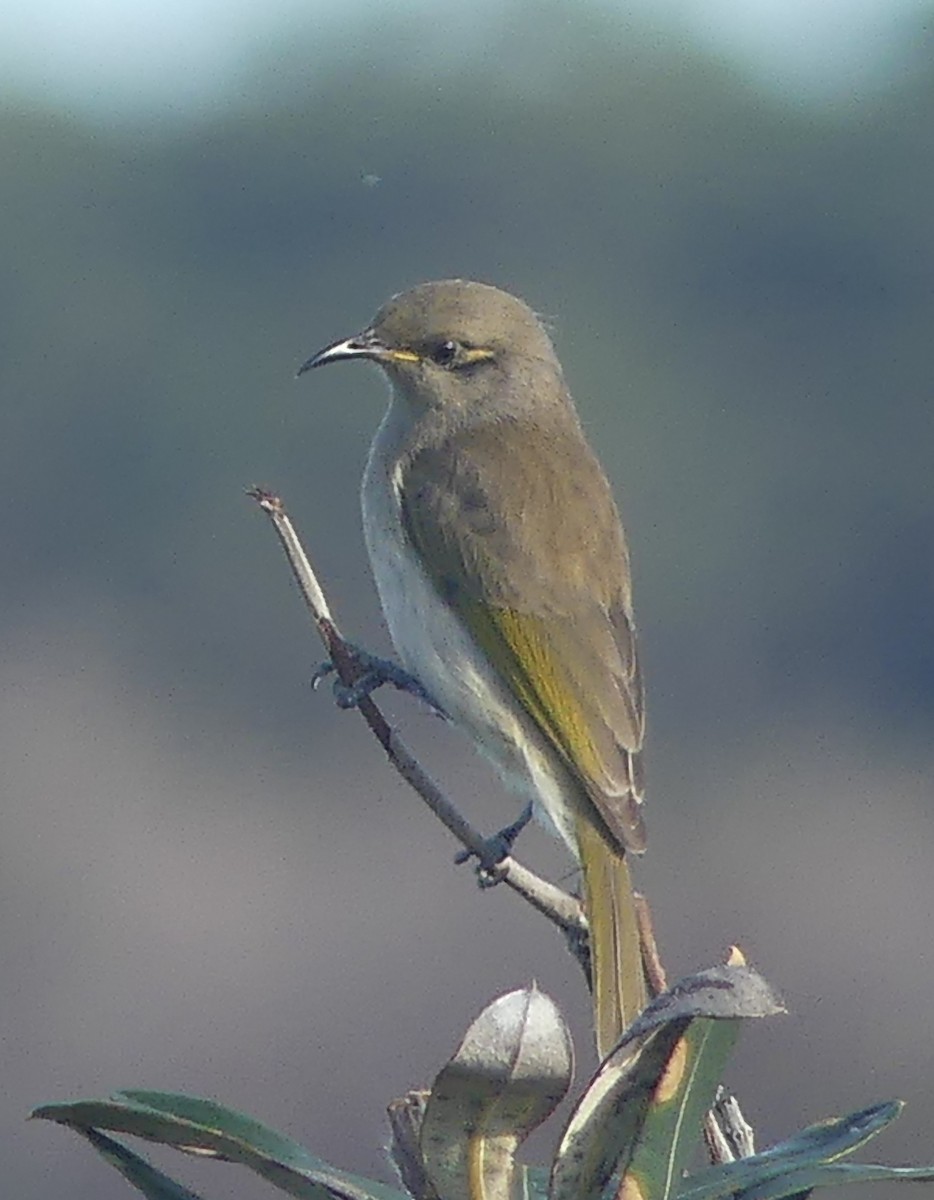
[
  {"x": 406, "y": 356},
  {"x": 476, "y": 354}
]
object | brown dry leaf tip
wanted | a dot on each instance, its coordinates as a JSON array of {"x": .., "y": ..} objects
[{"x": 736, "y": 958}]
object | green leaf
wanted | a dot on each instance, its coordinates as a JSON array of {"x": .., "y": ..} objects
[
  {"x": 833, "y": 1174},
  {"x": 508, "y": 1075},
  {"x": 534, "y": 1182},
  {"x": 642, "y": 1111},
  {"x": 813, "y": 1149},
  {"x": 205, "y": 1127},
  {"x": 675, "y": 1118},
  {"x": 136, "y": 1170},
  {"x": 604, "y": 1127}
]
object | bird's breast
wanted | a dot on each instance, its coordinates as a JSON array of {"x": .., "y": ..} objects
[
  {"x": 437, "y": 648},
  {"x": 426, "y": 632}
]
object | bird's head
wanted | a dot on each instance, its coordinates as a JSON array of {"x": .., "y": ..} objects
[{"x": 451, "y": 343}]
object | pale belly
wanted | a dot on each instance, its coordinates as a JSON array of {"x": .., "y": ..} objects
[{"x": 435, "y": 647}]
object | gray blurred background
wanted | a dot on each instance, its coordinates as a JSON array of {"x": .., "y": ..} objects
[{"x": 209, "y": 879}]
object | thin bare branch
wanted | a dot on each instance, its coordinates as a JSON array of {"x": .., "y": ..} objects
[
  {"x": 562, "y": 909},
  {"x": 651, "y": 961},
  {"x": 405, "y": 1120},
  {"x": 737, "y": 1132}
]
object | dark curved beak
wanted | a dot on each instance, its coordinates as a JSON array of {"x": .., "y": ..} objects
[{"x": 353, "y": 347}]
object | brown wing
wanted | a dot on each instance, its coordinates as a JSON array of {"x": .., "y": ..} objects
[{"x": 518, "y": 529}]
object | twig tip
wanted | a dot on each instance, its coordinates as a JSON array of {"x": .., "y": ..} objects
[{"x": 268, "y": 501}]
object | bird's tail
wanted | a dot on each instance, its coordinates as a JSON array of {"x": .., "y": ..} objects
[{"x": 618, "y": 976}]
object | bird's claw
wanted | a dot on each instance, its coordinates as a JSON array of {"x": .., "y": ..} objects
[
  {"x": 495, "y": 850},
  {"x": 320, "y": 673},
  {"x": 374, "y": 673}
]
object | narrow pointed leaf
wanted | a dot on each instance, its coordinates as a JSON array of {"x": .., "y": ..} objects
[
  {"x": 153, "y": 1184},
  {"x": 643, "y": 1108},
  {"x": 812, "y": 1148},
  {"x": 807, "y": 1179},
  {"x": 834, "y": 1174},
  {"x": 508, "y": 1075},
  {"x": 205, "y": 1127}
]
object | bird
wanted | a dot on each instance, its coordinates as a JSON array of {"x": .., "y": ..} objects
[{"x": 503, "y": 574}]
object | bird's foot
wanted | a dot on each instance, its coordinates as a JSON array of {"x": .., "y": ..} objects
[
  {"x": 374, "y": 672},
  {"x": 495, "y": 850}
]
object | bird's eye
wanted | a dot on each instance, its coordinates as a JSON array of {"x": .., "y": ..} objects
[{"x": 445, "y": 353}]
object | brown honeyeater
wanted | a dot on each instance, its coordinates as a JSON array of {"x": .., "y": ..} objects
[{"x": 503, "y": 573}]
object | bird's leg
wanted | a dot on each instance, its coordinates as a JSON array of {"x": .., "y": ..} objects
[
  {"x": 374, "y": 672},
  {"x": 495, "y": 849}
]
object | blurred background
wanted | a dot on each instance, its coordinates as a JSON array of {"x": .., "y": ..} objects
[{"x": 209, "y": 879}]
